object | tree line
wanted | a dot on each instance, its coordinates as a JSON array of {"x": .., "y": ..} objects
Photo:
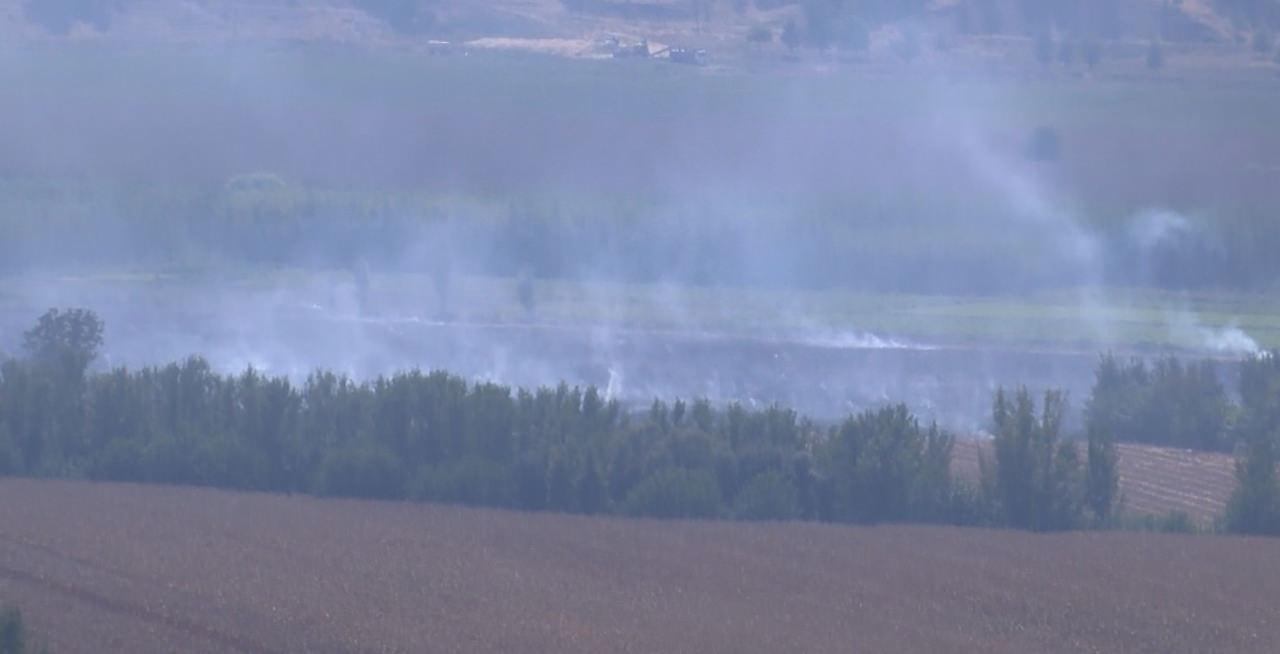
[{"x": 432, "y": 436}]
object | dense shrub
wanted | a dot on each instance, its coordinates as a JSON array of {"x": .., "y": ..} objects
[
  {"x": 1167, "y": 403},
  {"x": 882, "y": 466},
  {"x": 676, "y": 493},
  {"x": 360, "y": 470},
  {"x": 14, "y": 638},
  {"x": 768, "y": 496}
]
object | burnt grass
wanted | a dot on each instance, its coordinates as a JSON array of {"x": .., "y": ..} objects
[{"x": 123, "y": 568}]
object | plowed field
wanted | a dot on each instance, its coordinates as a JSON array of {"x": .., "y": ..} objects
[{"x": 118, "y": 568}]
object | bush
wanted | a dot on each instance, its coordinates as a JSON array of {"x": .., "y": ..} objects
[
  {"x": 10, "y": 456},
  {"x": 363, "y": 470},
  {"x": 675, "y": 493},
  {"x": 1175, "y": 522},
  {"x": 473, "y": 482},
  {"x": 1254, "y": 507},
  {"x": 882, "y": 466},
  {"x": 768, "y": 496},
  {"x": 13, "y": 634},
  {"x": 120, "y": 460}
]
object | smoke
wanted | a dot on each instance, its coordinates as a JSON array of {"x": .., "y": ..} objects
[
  {"x": 1153, "y": 228},
  {"x": 1186, "y": 329},
  {"x": 685, "y": 237}
]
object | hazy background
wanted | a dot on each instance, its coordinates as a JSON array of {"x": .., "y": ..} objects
[{"x": 805, "y": 227}]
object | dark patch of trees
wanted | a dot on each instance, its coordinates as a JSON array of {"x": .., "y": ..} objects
[
  {"x": 1168, "y": 403},
  {"x": 14, "y": 638},
  {"x": 436, "y": 437},
  {"x": 433, "y": 436},
  {"x": 1036, "y": 482},
  {"x": 1254, "y": 507}
]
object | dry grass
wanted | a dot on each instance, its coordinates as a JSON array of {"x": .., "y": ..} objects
[
  {"x": 117, "y": 568},
  {"x": 1153, "y": 480}
]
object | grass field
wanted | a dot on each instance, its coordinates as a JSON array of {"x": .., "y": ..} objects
[
  {"x": 1076, "y": 319},
  {"x": 105, "y": 568}
]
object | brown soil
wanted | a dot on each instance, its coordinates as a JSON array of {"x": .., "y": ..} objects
[{"x": 119, "y": 568}]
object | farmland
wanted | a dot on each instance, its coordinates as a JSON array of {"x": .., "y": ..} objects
[
  {"x": 1153, "y": 480},
  {"x": 120, "y": 568}
]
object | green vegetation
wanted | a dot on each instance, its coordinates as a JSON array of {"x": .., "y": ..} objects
[
  {"x": 433, "y": 436},
  {"x": 436, "y": 437},
  {"x": 1254, "y": 507},
  {"x": 14, "y": 638},
  {"x": 1036, "y": 481},
  {"x": 1169, "y": 404}
]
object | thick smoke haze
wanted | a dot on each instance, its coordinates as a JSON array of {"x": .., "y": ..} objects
[{"x": 528, "y": 221}]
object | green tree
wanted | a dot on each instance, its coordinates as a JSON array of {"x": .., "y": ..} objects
[
  {"x": 1102, "y": 481},
  {"x": 591, "y": 491},
  {"x": 1254, "y": 506},
  {"x": 676, "y": 493},
  {"x": 13, "y": 632},
  {"x": 882, "y": 466},
  {"x": 1103, "y": 411},
  {"x": 560, "y": 486},
  {"x": 65, "y": 342},
  {"x": 768, "y": 496},
  {"x": 1036, "y": 477}
]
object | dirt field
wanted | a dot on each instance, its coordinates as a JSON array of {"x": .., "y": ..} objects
[
  {"x": 113, "y": 568},
  {"x": 1153, "y": 480}
]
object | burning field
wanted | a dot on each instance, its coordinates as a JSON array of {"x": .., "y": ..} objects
[{"x": 117, "y": 568}]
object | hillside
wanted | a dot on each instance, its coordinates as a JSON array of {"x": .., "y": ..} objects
[
  {"x": 116, "y": 568},
  {"x": 993, "y": 30}
]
